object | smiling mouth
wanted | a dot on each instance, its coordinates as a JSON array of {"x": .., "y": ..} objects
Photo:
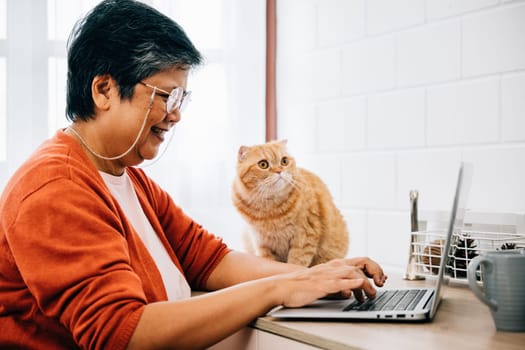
[{"x": 159, "y": 132}]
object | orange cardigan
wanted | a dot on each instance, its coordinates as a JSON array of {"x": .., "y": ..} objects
[{"x": 73, "y": 273}]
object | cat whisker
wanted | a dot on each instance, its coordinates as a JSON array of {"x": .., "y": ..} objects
[
  {"x": 292, "y": 182},
  {"x": 259, "y": 194},
  {"x": 256, "y": 196}
]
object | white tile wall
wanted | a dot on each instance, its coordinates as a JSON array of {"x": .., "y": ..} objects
[
  {"x": 299, "y": 34},
  {"x": 328, "y": 168},
  {"x": 340, "y": 21},
  {"x": 409, "y": 89},
  {"x": 429, "y": 53},
  {"x": 445, "y": 8},
  {"x": 369, "y": 180},
  {"x": 341, "y": 125},
  {"x": 493, "y": 41},
  {"x": 368, "y": 65},
  {"x": 357, "y": 228},
  {"x": 296, "y": 82},
  {"x": 463, "y": 113},
  {"x": 499, "y": 180},
  {"x": 387, "y": 15},
  {"x": 326, "y": 82},
  {"x": 388, "y": 237},
  {"x": 513, "y": 107},
  {"x": 299, "y": 128},
  {"x": 387, "y": 111},
  {"x": 433, "y": 172}
]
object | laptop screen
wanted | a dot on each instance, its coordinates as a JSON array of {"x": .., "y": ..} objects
[{"x": 455, "y": 225}]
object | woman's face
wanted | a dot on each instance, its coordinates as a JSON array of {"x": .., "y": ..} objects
[{"x": 133, "y": 112}]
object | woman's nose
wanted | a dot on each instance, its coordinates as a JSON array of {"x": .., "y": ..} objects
[{"x": 174, "y": 116}]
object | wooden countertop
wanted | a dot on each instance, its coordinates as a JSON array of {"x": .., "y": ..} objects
[{"x": 461, "y": 322}]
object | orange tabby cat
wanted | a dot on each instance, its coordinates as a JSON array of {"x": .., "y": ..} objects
[{"x": 291, "y": 215}]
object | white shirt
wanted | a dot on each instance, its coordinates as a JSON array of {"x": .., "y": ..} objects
[{"x": 121, "y": 187}]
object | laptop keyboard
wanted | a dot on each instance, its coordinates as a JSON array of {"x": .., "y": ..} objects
[{"x": 389, "y": 300}]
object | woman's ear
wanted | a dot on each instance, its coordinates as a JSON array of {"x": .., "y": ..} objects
[{"x": 101, "y": 90}]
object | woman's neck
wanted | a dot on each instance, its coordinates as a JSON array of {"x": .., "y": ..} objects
[{"x": 108, "y": 166}]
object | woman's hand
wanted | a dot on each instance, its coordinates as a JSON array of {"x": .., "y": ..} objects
[
  {"x": 342, "y": 276},
  {"x": 372, "y": 270}
]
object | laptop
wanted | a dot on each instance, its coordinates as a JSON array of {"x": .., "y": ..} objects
[{"x": 416, "y": 304}]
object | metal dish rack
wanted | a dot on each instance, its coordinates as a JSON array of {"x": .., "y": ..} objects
[{"x": 481, "y": 232}]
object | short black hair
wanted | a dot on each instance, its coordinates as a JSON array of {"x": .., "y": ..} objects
[{"x": 127, "y": 40}]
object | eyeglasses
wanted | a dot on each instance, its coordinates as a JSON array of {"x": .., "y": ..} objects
[{"x": 176, "y": 99}]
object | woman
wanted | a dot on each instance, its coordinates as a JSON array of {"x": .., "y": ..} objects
[{"x": 93, "y": 254}]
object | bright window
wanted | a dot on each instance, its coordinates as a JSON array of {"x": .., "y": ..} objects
[
  {"x": 3, "y": 81},
  {"x": 3, "y": 19},
  {"x": 3, "y": 119},
  {"x": 63, "y": 14},
  {"x": 57, "y": 73}
]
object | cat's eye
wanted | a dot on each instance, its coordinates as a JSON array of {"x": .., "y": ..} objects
[
  {"x": 263, "y": 164},
  {"x": 285, "y": 161}
]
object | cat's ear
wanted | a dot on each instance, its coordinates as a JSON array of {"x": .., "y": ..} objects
[
  {"x": 283, "y": 142},
  {"x": 241, "y": 155}
]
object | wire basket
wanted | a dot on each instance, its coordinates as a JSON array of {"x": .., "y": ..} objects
[{"x": 470, "y": 240}]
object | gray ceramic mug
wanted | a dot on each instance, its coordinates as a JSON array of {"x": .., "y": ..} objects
[{"x": 503, "y": 287}]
